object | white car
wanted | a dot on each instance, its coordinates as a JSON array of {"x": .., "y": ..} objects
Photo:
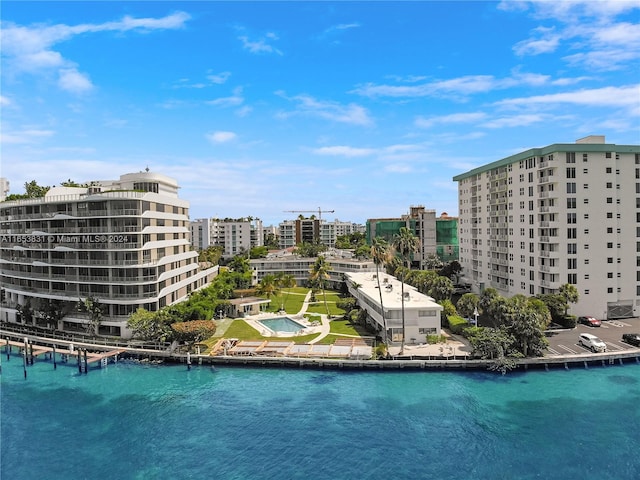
[{"x": 592, "y": 342}]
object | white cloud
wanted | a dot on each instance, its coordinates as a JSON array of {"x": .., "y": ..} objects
[
  {"x": 221, "y": 137},
  {"x": 219, "y": 78},
  {"x": 26, "y": 136},
  {"x": 261, "y": 45},
  {"x": 307, "y": 105},
  {"x": 344, "y": 151},
  {"x": 516, "y": 121},
  {"x": 30, "y": 49},
  {"x": 231, "y": 101},
  {"x": 624, "y": 96},
  {"x": 74, "y": 81},
  {"x": 471, "y": 117}
]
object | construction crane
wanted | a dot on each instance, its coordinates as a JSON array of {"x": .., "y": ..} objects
[{"x": 320, "y": 212}]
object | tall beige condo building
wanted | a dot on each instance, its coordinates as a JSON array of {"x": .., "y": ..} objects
[
  {"x": 122, "y": 243},
  {"x": 564, "y": 213}
]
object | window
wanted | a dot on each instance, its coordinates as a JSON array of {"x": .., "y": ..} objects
[
  {"x": 571, "y": 203},
  {"x": 609, "y": 170},
  {"x": 572, "y": 278},
  {"x": 572, "y": 263},
  {"x": 572, "y": 217},
  {"x": 609, "y": 274},
  {"x": 609, "y": 244},
  {"x": 609, "y": 259},
  {"x": 571, "y": 172},
  {"x": 609, "y": 200},
  {"x": 572, "y": 233},
  {"x": 571, "y": 187},
  {"x": 572, "y": 248}
]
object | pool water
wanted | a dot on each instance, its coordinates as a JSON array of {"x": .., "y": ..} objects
[{"x": 282, "y": 324}]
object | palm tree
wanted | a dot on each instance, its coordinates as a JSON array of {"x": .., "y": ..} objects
[
  {"x": 288, "y": 281},
  {"x": 381, "y": 252},
  {"x": 406, "y": 244},
  {"x": 319, "y": 273},
  {"x": 268, "y": 286}
]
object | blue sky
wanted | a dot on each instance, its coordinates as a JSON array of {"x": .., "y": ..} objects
[{"x": 256, "y": 108}]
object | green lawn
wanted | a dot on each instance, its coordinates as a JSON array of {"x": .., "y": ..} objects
[
  {"x": 292, "y": 301},
  {"x": 345, "y": 327},
  {"x": 319, "y": 307}
]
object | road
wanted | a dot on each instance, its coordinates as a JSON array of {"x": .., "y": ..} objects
[{"x": 565, "y": 342}]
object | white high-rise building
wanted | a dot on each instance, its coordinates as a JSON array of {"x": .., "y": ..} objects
[
  {"x": 235, "y": 236},
  {"x": 123, "y": 243},
  {"x": 564, "y": 213},
  {"x": 4, "y": 188}
]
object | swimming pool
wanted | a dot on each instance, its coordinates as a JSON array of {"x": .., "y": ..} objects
[{"x": 282, "y": 324}]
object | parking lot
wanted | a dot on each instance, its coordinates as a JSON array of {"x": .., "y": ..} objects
[{"x": 565, "y": 342}]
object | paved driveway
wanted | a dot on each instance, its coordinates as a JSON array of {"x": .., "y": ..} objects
[{"x": 565, "y": 342}]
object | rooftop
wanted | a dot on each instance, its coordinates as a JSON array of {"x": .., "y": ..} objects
[{"x": 391, "y": 291}]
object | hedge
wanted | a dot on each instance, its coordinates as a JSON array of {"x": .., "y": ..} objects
[{"x": 457, "y": 324}]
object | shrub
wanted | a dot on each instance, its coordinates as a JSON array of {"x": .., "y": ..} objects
[
  {"x": 457, "y": 324},
  {"x": 567, "y": 321}
]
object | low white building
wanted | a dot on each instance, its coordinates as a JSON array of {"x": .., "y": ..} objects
[{"x": 422, "y": 314}]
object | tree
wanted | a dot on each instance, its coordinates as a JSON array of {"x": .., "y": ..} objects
[
  {"x": 194, "y": 331},
  {"x": 92, "y": 307},
  {"x": 268, "y": 286},
  {"x": 211, "y": 254},
  {"x": 467, "y": 304},
  {"x": 381, "y": 252},
  {"x": 151, "y": 326},
  {"x": 432, "y": 262},
  {"x": 319, "y": 274},
  {"x": 259, "y": 252},
  {"x": 570, "y": 294},
  {"x": 440, "y": 289},
  {"x": 406, "y": 244},
  {"x": 525, "y": 326},
  {"x": 32, "y": 190},
  {"x": 271, "y": 241},
  {"x": 288, "y": 281}
]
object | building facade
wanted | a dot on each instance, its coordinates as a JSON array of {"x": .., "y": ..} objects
[
  {"x": 564, "y": 213},
  {"x": 422, "y": 314},
  {"x": 314, "y": 230},
  {"x": 235, "y": 236},
  {"x": 300, "y": 267},
  {"x": 435, "y": 235},
  {"x": 122, "y": 243}
]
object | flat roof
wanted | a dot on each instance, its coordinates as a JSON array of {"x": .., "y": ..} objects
[
  {"x": 391, "y": 289},
  {"x": 556, "y": 147}
]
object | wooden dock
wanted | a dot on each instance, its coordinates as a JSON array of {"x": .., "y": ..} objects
[{"x": 37, "y": 350}]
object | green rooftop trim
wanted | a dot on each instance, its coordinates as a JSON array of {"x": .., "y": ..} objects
[{"x": 555, "y": 148}]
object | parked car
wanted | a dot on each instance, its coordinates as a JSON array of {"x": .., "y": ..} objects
[
  {"x": 631, "y": 339},
  {"x": 590, "y": 321},
  {"x": 592, "y": 342}
]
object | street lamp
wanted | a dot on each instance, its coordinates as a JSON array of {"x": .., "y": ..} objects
[{"x": 475, "y": 315}]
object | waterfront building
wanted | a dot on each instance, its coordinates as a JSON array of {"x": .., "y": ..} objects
[
  {"x": 422, "y": 313},
  {"x": 123, "y": 243},
  {"x": 436, "y": 236},
  {"x": 564, "y": 213}
]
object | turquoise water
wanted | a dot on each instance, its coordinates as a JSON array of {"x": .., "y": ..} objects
[
  {"x": 282, "y": 324},
  {"x": 129, "y": 421}
]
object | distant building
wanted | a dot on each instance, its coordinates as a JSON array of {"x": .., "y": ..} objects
[
  {"x": 284, "y": 261},
  {"x": 564, "y": 213},
  {"x": 437, "y": 236},
  {"x": 122, "y": 242},
  {"x": 314, "y": 230},
  {"x": 4, "y": 188},
  {"x": 235, "y": 236}
]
